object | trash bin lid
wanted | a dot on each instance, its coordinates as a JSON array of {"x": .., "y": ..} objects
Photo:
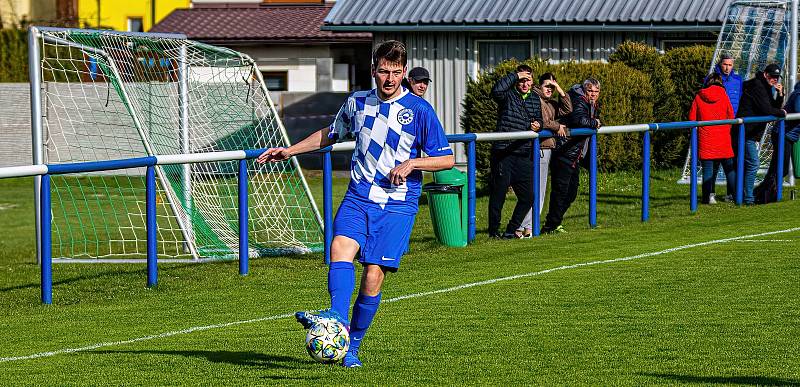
[
  {"x": 450, "y": 176},
  {"x": 436, "y": 187}
]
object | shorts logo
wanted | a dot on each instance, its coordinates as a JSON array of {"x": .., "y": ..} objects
[
  {"x": 405, "y": 116},
  {"x": 387, "y": 259}
]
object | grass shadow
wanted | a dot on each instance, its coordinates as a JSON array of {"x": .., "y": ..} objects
[
  {"x": 740, "y": 380},
  {"x": 237, "y": 358}
]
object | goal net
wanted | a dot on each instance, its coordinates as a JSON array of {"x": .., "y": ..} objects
[
  {"x": 108, "y": 95},
  {"x": 755, "y": 33}
]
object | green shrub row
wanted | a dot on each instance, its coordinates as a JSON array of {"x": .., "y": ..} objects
[
  {"x": 626, "y": 97},
  {"x": 638, "y": 85},
  {"x": 13, "y": 55}
]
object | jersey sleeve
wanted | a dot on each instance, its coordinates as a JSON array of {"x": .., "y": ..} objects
[
  {"x": 434, "y": 140},
  {"x": 342, "y": 126}
]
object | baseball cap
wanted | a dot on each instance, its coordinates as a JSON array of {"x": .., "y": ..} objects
[
  {"x": 772, "y": 70},
  {"x": 419, "y": 74}
]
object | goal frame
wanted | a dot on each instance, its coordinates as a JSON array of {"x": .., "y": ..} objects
[{"x": 35, "y": 36}]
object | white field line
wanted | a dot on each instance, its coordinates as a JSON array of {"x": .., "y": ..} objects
[
  {"x": 394, "y": 299},
  {"x": 766, "y": 240}
]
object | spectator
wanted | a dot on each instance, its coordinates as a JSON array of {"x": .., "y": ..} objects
[
  {"x": 564, "y": 169},
  {"x": 731, "y": 81},
  {"x": 758, "y": 100},
  {"x": 733, "y": 87},
  {"x": 767, "y": 191},
  {"x": 512, "y": 161},
  {"x": 712, "y": 103},
  {"x": 554, "y": 111},
  {"x": 417, "y": 81}
]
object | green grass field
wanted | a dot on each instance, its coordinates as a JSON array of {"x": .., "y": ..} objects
[{"x": 683, "y": 299}]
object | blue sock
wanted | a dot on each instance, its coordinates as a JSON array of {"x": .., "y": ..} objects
[
  {"x": 363, "y": 312},
  {"x": 341, "y": 282}
]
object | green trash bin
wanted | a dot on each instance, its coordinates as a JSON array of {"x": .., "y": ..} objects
[
  {"x": 447, "y": 201},
  {"x": 796, "y": 159}
]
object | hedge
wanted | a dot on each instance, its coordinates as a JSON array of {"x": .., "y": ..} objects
[
  {"x": 626, "y": 97},
  {"x": 13, "y": 55}
]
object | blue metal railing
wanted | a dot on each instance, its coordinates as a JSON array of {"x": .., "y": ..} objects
[{"x": 470, "y": 139}]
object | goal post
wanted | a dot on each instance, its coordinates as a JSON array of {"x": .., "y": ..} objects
[{"x": 108, "y": 95}]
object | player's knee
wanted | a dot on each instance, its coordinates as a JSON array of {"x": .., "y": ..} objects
[
  {"x": 343, "y": 249},
  {"x": 373, "y": 280}
]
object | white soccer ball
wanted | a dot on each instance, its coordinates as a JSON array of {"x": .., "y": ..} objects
[{"x": 327, "y": 341}]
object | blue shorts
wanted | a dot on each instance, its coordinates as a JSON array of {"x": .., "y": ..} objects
[{"x": 382, "y": 236}]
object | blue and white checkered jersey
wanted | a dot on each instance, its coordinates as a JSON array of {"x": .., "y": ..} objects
[{"x": 388, "y": 133}]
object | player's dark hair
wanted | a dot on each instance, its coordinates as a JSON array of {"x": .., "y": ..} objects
[
  {"x": 714, "y": 79},
  {"x": 392, "y": 51},
  {"x": 524, "y": 68},
  {"x": 547, "y": 77}
]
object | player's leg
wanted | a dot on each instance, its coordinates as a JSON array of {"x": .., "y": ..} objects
[
  {"x": 342, "y": 275},
  {"x": 364, "y": 310},
  {"x": 385, "y": 246},
  {"x": 349, "y": 229}
]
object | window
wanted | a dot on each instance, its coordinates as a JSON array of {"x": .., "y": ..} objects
[
  {"x": 276, "y": 80},
  {"x": 135, "y": 24},
  {"x": 491, "y": 53}
]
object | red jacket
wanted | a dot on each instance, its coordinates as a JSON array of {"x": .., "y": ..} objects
[{"x": 712, "y": 103}]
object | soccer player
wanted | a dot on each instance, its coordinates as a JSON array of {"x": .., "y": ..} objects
[{"x": 392, "y": 128}]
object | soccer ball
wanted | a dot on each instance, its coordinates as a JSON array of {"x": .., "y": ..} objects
[{"x": 327, "y": 341}]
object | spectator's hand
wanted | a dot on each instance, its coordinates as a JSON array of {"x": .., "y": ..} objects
[
  {"x": 535, "y": 125},
  {"x": 398, "y": 174},
  {"x": 524, "y": 75},
  {"x": 599, "y": 124},
  {"x": 558, "y": 88},
  {"x": 562, "y": 131},
  {"x": 274, "y": 155},
  {"x": 779, "y": 87}
]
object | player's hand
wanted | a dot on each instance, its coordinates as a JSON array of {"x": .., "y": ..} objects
[
  {"x": 535, "y": 125},
  {"x": 274, "y": 155},
  {"x": 562, "y": 131},
  {"x": 398, "y": 174}
]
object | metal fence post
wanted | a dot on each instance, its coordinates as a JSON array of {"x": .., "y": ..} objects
[
  {"x": 646, "y": 177},
  {"x": 46, "y": 251},
  {"x": 781, "y": 150},
  {"x": 244, "y": 212},
  {"x": 152, "y": 248},
  {"x": 536, "y": 187},
  {"x": 740, "y": 166},
  {"x": 693, "y": 177},
  {"x": 593, "y": 181},
  {"x": 327, "y": 202},
  {"x": 471, "y": 190}
]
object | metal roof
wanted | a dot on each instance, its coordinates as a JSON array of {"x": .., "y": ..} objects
[{"x": 467, "y": 14}]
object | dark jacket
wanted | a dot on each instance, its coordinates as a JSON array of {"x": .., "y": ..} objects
[
  {"x": 515, "y": 114},
  {"x": 757, "y": 101},
  {"x": 733, "y": 87},
  {"x": 584, "y": 115}
]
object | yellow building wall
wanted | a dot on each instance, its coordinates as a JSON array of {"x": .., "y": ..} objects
[{"x": 114, "y": 14}]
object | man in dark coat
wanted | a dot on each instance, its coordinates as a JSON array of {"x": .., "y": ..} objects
[
  {"x": 564, "y": 168},
  {"x": 761, "y": 96},
  {"x": 512, "y": 161}
]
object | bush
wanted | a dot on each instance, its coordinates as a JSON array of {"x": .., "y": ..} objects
[
  {"x": 13, "y": 55},
  {"x": 626, "y": 97}
]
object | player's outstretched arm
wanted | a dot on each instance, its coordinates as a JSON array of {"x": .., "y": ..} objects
[
  {"x": 399, "y": 173},
  {"x": 316, "y": 140}
]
